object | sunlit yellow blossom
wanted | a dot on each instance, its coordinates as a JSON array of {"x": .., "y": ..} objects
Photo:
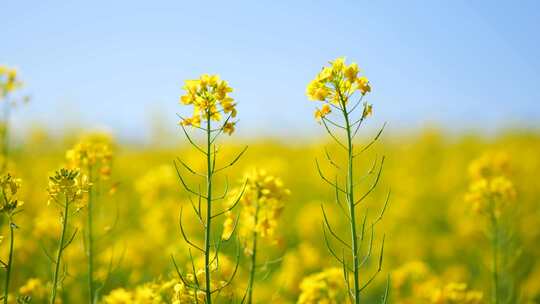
[
  {"x": 317, "y": 91},
  {"x": 67, "y": 183},
  {"x": 336, "y": 84},
  {"x": 261, "y": 203},
  {"x": 222, "y": 269},
  {"x": 228, "y": 128},
  {"x": 210, "y": 98},
  {"x": 194, "y": 121},
  {"x": 351, "y": 72},
  {"x": 320, "y": 113},
  {"x": 363, "y": 85}
]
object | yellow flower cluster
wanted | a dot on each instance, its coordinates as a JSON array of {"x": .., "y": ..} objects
[
  {"x": 222, "y": 270},
  {"x": 9, "y": 81},
  {"x": 92, "y": 153},
  {"x": 335, "y": 85},
  {"x": 262, "y": 204},
  {"x": 160, "y": 292},
  {"x": 456, "y": 293},
  {"x": 67, "y": 183},
  {"x": 184, "y": 294},
  {"x": 490, "y": 189},
  {"x": 210, "y": 98},
  {"x": 326, "y": 287},
  {"x": 9, "y": 186}
]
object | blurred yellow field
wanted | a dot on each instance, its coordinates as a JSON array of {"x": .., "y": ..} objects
[{"x": 433, "y": 236}]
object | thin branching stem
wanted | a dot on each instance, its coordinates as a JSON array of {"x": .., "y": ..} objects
[
  {"x": 9, "y": 263},
  {"x": 331, "y": 230},
  {"x": 61, "y": 249},
  {"x": 350, "y": 200},
  {"x": 351, "y": 128},
  {"x": 208, "y": 227}
]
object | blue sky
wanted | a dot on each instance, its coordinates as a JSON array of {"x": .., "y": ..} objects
[{"x": 120, "y": 64}]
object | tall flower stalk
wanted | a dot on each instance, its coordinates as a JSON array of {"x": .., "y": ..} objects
[
  {"x": 93, "y": 156},
  {"x": 10, "y": 206},
  {"x": 213, "y": 114},
  {"x": 336, "y": 86},
  {"x": 261, "y": 206},
  {"x": 490, "y": 193},
  {"x": 66, "y": 189},
  {"x": 9, "y": 83}
]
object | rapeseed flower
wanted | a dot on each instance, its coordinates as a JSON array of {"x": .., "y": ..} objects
[
  {"x": 210, "y": 98},
  {"x": 68, "y": 183},
  {"x": 262, "y": 204},
  {"x": 490, "y": 190},
  {"x": 336, "y": 84}
]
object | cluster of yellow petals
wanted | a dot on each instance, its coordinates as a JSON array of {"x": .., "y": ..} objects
[
  {"x": 186, "y": 294},
  {"x": 261, "y": 206},
  {"x": 335, "y": 84},
  {"x": 9, "y": 81},
  {"x": 92, "y": 153},
  {"x": 490, "y": 189},
  {"x": 210, "y": 98},
  {"x": 70, "y": 184},
  {"x": 326, "y": 287},
  {"x": 9, "y": 186},
  {"x": 222, "y": 270},
  {"x": 172, "y": 291}
]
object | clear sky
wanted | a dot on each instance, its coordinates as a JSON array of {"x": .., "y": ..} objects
[{"x": 459, "y": 64}]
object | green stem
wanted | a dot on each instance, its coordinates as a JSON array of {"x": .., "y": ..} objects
[
  {"x": 90, "y": 242},
  {"x": 253, "y": 257},
  {"x": 350, "y": 199},
  {"x": 208, "y": 226},
  {"x": 495, "y": 259},
  {"x": 60, "y": 250},
  {"x": 10, "y": 260}
]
